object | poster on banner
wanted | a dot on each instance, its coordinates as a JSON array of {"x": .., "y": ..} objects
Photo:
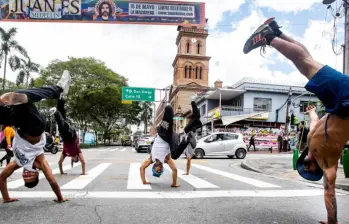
[{"x": 105, "y": 11}]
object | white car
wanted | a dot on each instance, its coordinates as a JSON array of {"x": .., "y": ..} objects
[
  {"x": 144, "y": 143},
  {"x": 221, "y": 143}
]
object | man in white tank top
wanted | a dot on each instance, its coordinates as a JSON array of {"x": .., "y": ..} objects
[
  {"x": 167, "y": 145},
  {"x": 18, "y": 107}
]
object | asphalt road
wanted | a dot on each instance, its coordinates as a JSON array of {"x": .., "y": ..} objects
[{"x": 218, "y": 191}]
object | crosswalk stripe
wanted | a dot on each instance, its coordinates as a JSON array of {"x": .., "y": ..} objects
[
  {"x": 82, "y": 181},
  {"x": 112, "y": 150},
  {"x": 102, "y": 150},
  {"x": 123, "y": 150},
  {"x": 196, "y": 182},
  {"x": 247, "y": 180},
  {"x": 134, "y": 178},
  {"x": 18, "y": 183},
  {"x": 133, "y": 149}
]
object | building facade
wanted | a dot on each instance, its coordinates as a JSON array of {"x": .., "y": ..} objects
[{"x": 253, "y": 103}]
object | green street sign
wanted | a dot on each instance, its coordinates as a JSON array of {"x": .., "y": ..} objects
[
  {"x": 178, "y": 118},
  {"x": 138, "y": 94}
]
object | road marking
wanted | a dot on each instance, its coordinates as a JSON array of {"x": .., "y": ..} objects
[
  {"x": 196, "y": 182},
  {"x": 18, "y": 183},
  {"x": 123, "y": 150},
  {"x": 246, "y": 180},
  {"x": 112, "y": 150},
  {"x": 134, "y": 181},
  {"x": 83, "y": 180},
  {"x": 102, "y": 150},
  {"x": 173, "y": 194}
]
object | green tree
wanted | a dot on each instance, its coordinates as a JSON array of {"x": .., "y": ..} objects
[
  {"x": 9, "y": 49},
  {"x": 146, "y": 115},
  {"x": 26, "y": 68},
  {"x": 95, "y": 93}
]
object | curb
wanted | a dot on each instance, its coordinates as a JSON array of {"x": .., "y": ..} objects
[{"x": 247, "y": 166}]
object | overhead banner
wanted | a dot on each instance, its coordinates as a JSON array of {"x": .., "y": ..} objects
[{"x": 149, "y": 12}]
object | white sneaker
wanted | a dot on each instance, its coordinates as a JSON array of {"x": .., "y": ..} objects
[
  {"x": 64, "y": 82},
  {"x": 52, "y": 111}
]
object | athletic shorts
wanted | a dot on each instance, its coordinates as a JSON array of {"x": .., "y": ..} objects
[
  {"x": 71, "y": 154},
  {"x": 189, "y": 150},
  {"x": 332, "y": 88}
]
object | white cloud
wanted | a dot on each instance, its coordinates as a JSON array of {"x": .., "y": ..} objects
[{"x": 287, "y": 5}]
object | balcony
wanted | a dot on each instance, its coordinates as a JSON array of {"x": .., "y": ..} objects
[{"x": 235, "y": 111}]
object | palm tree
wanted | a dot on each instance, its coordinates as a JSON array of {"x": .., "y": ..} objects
[
  {"x": 146, "y": 115},
  {"x": 26, "y": 68},
  {"x": 9, "y": 48}
]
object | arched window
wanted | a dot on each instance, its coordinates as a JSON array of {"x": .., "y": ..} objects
[
  {"x": 186, "y": 72},
  {"x": 200, "y": 72},
  {"x": 196, "y": 72},
  {"x": 187, "y": 48},
  {"x": 199, "y": 48},
  {"x": 190, "y": 69}
]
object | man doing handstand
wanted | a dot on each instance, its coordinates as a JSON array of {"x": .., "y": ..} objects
[
  {"x": 167, "y": 145},
  {"x": 71, "y": 146},
  {"x": 18, "y": 109},
  {"x": 327, "y": 136}
]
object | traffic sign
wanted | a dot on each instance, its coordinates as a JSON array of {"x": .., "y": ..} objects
[
  {"x": 138, "y": 94},
  {"x": 178, "y": 118}
]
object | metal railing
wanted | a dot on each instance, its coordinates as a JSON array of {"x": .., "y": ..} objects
[{"x": 234, "y": 111}]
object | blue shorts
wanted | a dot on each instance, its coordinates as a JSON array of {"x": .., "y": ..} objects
[{"x": 332, "y": 88}]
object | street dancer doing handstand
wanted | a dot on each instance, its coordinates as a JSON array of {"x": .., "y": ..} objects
[
  {"x": 18, "y": 109},
  {"x": 68, "y": 133},
  {"x": 167, "y": 145},
  {"x": 328, "y": 135}
]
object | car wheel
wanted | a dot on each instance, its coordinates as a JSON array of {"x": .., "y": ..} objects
[
  {"x": 199, "y": 154},
  {"x": 240, "y": 153},
  {"x": 231, "y": 157}
]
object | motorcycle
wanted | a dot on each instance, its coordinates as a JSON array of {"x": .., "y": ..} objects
[{"x": 50, "y": 145}]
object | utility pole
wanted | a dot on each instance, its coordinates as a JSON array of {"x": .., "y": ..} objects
[
  {"x": 346, "y": 38},
  {"x": 288, "y": 119}
]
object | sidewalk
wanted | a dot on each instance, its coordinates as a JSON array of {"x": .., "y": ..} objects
[{"x": 282, "y": 167}]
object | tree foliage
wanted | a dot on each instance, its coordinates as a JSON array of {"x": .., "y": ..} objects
[{"x": 95, "y": 93}]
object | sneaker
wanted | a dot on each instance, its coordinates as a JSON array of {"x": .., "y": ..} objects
[
  {"x": 274, "y": 26},
  {"x": 52, "y": 111},
  {"x": 257, "y": 39},
  {"x": 64, "y": 82},
  {"x": 192, "y": 140},
  {"x": 193, "y": 125},
  {"x": 13, "y": 98}
]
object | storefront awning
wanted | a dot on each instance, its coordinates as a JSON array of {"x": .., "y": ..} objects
[{"x": 233, "y": 119}]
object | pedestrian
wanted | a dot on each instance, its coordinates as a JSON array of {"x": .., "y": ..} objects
[
  {"x": 328, "y": 135},
  {"x": 6, "y": 143},
  {"x": 168, "y": 146},
  {"x": 70, "y": 138},
  {"x": 18, "y": 109},
  {"x": 251, "y": 143}
]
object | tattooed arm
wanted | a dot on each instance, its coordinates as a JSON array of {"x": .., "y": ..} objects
[{"x": 330, "y": 175}]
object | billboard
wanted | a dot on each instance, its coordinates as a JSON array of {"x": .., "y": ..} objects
[{"x": 150, "y": 12}]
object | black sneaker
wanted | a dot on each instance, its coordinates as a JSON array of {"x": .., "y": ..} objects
[
  {"x": 192, "y": 140},
  {"x": 274, "y": 26},
  {"x": 257, "y": 39}
]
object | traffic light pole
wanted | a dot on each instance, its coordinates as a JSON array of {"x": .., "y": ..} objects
[{"x": 285, "y": 140}]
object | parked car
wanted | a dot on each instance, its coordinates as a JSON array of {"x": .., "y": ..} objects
[
  {"x": 223, "y": 144},
  {"x": 144, "y": 143}
]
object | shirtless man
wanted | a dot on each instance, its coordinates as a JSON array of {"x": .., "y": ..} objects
[
  {"x": 327, "y": 136},
  {"x": 167, "y": 145},
  {"x": 71, "y": 146},
  {"x": 18, "y": 108}
]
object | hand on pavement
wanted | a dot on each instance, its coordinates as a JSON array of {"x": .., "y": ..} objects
[
  {"x": 325, "y": 222},
  {"x": 146, "y": 182},
  {"x": 11, "y": 200},
  {"x": 62, "y": 200}
]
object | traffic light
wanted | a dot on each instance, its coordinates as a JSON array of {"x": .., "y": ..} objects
[{"x": 292, "y": 119}]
